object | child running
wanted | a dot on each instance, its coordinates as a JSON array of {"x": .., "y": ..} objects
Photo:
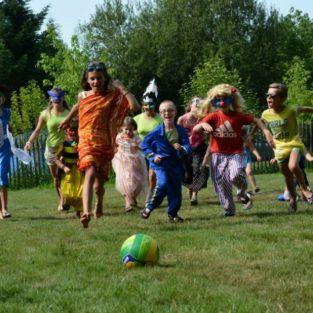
[
  {"x": 282, "y": 121},
  {"x": 129, "y": 165},
  {"x": 164, "y": 146},
  {"x": 5, "y": 155},
  {"x": 226, "y": 144},
  {"x": 101, "y": 110},
  {"x": 70, "y": 178}
]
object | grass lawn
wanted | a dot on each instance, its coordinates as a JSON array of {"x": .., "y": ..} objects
[{"x": 258, "y": 261}]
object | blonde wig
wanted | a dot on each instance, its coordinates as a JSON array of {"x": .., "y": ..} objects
[{"x": 220, "y": 91}]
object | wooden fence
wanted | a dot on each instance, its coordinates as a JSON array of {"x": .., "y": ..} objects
[{"x": 37, "y": 173}]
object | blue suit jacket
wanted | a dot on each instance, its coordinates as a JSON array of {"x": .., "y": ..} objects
[{"x": 156, "y": 143}]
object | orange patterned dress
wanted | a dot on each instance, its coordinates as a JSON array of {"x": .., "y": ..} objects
[{"x": 100, "y": 117}]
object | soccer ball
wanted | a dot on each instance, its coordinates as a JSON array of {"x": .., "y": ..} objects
[{"x": 139, "y": 250}]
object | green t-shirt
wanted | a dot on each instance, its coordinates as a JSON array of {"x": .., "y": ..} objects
[
  {"x": 55, "y": 136},
  {"x": 146, "y": 125},
  {"x": 172, "y": 136}
]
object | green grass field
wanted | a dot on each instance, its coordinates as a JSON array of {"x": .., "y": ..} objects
[{"x": 258, "y": 261}]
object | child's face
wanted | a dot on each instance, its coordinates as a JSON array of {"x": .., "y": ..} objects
[
  {"x": 273, "y": 98},
  {"x": 168, "y": 112},
  {"x": 96, "y": 80},
  {"x": 129, "y": 131},
  {"x": 72, "y": 133}
]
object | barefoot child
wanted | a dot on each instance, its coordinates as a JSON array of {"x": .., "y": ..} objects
[
  {"x": 282, "y": 121},
  {"x": 226, "y": 144},
  {"x": 101, "y": 110},
  {"x": 71, "y": 179},
  {"x": 129, "y": 165},
  {"x": 165, "y": 146}
]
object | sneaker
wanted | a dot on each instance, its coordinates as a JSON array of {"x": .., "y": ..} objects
[
  {"x": 246, "y": 202},
  {"x": 229, "y": 213},
  {"x": 175, "y": 219},
  {"x": 145, "y": 213}
]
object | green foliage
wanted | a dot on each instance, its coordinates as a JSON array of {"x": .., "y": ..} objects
[
  {"x": 214, "y": 72},
  {"x": 26, "y": 106},
  {"x": 20, "y": 44},
  {"x": 65, "y": 67},
  {"x": 299, "y": 90}
]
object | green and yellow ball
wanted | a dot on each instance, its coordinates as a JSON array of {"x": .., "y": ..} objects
[{"x": 139, "y": 250}]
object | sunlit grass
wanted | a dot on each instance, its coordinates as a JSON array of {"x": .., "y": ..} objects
[{"x": 258, "y": 261}]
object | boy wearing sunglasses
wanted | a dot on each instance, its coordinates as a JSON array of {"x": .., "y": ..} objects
[
  {"x": 282, "y": 121},
  {"x": 226, "y": 144}
]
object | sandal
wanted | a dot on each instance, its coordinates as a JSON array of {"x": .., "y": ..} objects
[
  {"x": 98, "y": 213},
  {"x": 5, "y": 215},
  {"x": 145, "y": 213},
  {"x": 310, "y": 198},
  {"x": 85, "y": 220}
]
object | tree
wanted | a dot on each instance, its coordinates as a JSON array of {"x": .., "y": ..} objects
[
  {"x": 26, "y": 106},
  {"x": 214, "y": 72},
  {"x": 65, "y": 67},
  {"x": 21, "y": 42},
  {"x": 299, "y": 91}
]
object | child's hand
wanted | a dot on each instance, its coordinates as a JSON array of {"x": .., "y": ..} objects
[
  {"x": 258, "y": 158},
  {"x": 273, "y": 161},
  {"x": 157, "y": 159},
  {"x": 206, "y": 127},
  {"x": 177, "y": 146},
  {"x": 66, "y": 169},
  {"x": 309, "y": 157},
  {"x": 64, "y": 124},
  {"x": 269, "y": 139},
  {"x": 27, "y": 146}
]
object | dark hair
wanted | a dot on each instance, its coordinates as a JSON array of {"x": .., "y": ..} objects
[
  {"x": 73, "y": 124},
  {"x": 129, "y": 121},
  {"x": 282, "y": 88},
  {"x": 95, "y": 66}
]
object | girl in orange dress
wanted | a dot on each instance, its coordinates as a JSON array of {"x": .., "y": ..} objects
[{"x": 101, "y": 109}]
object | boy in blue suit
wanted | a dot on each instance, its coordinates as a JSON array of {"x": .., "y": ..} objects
[{"x": 165, "y": 147}]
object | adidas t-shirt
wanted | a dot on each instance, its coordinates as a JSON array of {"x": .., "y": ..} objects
[{"x": 226, "y": 136}]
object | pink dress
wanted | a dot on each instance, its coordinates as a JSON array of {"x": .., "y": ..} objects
[{"x": 130, "y": 168}]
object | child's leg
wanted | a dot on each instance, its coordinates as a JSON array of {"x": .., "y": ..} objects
[
  {"x": 159, "y": 192},
  {"x": 4, "y": 202},
  {"x": 54, "y": 174},
  {"x": 222, "y": 183},
  {"x": 251, "y": 177},
  {"x": 152, "y": 182},
  {"x": 284, "y": 168},
  {"x": 90, "y": 174},
  {"x": 174, "y": 193},
  {"x": 98, "y": 187},
  {"x": 294, "y": 168}
]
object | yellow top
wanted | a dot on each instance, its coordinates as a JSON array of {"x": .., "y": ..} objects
[{"x": 284, "y": 128}]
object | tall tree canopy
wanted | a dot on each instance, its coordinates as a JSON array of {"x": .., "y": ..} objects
[{"x": 20, "y": 43}]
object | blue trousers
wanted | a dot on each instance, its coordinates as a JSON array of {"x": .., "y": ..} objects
[{"x": 169, "y": 183}]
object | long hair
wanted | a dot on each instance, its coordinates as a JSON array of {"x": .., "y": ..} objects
[
  {"x": 224, "y": 90},
  {"x": 96, "y": 66},
  {"x": 57, "y": 90},
  {"x": 129, "y": 121}
]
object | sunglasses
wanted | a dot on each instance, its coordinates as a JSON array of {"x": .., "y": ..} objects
[
  {"x": 268, "y": 95},
  {"x": 220, "y": 102},
  {"x": 95, "y": 68}
]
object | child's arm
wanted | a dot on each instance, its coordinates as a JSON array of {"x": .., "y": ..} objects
[
  {"x": 206, "y": 127},
  {"x": 35, "y": 133},
  {"x": 206, "y": 158},
  {"x": 266, "y": 132},
  {"x": 304, "y": 110},
  {"x": 147, "y": 148},
  {"x": 253, "y": 149},
  {"x": 74, "y": 112},
  {"x": 60, "y": 164},
  {"x": 307, "y": 154},
  {"x": 132, "y": 101}
]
